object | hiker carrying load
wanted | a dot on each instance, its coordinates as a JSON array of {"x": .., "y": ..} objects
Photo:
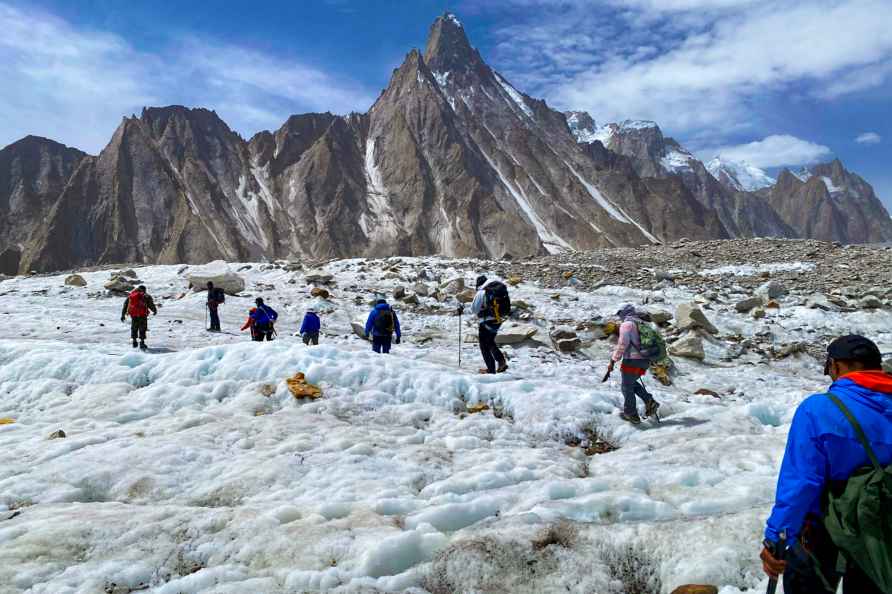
[
  {"x": 138, "y": 305},
  {"x": 638, "y": 346},
  {"x": 261, "y": 321},
  {"x": 309, "y": 328},
  {"x": 382, "y": 324},
  {"x": 831, "y": 517},
  {"x": 216, "y": 298},
  {"x": 492, "y": 306}
]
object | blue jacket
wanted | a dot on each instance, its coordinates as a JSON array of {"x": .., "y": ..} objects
[
  {"x": 370, "y": 323},
  {"x": 311, "y": 324},
  {"x": 822, "y": 446},
  {"x": 264, "y": 314}
]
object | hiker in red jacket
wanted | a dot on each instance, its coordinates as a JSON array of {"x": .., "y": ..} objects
[{"x": 137, "y": 306}]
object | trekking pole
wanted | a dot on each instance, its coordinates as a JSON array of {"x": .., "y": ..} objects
[
  {"x": 461, "y": 309},
  {"x": 777, "y": 551},
  {"x": 207, "y": 309}
]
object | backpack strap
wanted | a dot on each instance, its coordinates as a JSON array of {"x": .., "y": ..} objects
[{"x": 857, "y": 427}]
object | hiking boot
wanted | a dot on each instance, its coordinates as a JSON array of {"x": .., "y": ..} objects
[
  {"x": 484, "y": 371},
  {"x": 650, "y": 409},
  {"x": 135, "y": 343},
  {"x": 633, "y": 418},
  {"x": 502, "y": 368},
  {"x": 142, "y": 346}
]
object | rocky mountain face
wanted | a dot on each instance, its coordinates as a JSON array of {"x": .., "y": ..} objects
[
  {"x": 451, "y": 159},
  {"x": 831, "y": 203},
  {"x": 33, "y": 172}
]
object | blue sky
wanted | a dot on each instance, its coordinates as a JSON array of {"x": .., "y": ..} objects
[{"x": 774, "y": 82}]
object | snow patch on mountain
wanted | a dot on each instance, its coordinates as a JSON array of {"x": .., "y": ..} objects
[
  {"x": 613, "y": 210},
  {"x": 831, "y": 187},
  {"x": 676, "y": 161},
  {"x": 803, "y": 174},
  {"x": 552, "y": 242},
  {"x": 442, "y": 78},
  {"x": 637, "y": 125},
  {"x": 515, "y": 96},
  {"x": 453, "y": 19},
  {"x": 740, "y": 175}
]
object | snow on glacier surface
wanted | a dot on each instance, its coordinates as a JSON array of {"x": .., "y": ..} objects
[{"x": 191, "y": 468}]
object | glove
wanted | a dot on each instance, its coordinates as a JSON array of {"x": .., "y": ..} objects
[
  {"x": 397, "y": 341},
  {"x": 771, "y": 566},
  {"x": 122, "y": 319}
]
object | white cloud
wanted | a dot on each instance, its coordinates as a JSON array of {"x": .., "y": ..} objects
[
  {"x": 773, "y": 151},
  {"x": 75, "y": 85},
  {"x": 711, "y": 64},
  {"x": 869, "y": 138}
]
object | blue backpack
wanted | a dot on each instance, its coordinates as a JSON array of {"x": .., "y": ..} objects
[{"x": 262, "y": 316}]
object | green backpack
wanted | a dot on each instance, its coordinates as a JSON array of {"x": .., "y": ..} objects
[
  {"x": 859, "y": 519},
  {"x": 652, "y": 346}
]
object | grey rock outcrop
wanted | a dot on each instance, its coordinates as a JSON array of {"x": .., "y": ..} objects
[
  {"x": 688, "y": 347},
  {"x": 75, "y": 280},
  {"x": 690, "y": 317},
  {"x": 230, "y": 282}
]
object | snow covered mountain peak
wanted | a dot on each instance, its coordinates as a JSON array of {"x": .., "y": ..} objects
[
  {"x": 452, "y": 18},
  {"x": 739, "y": 175},
  {"x": 637, "y": 125}
]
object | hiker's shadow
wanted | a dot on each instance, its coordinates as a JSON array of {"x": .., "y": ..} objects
[
  {"x": 160, "y": 350},
  {"x": 682, "y": 422}
]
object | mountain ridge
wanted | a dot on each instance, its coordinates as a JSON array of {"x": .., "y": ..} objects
[{"x": 451, "y": 159}]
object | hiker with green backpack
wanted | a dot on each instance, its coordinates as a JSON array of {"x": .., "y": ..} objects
[
  {"x": 639, "y": 345},
  {"x": 834, "y": 494}
]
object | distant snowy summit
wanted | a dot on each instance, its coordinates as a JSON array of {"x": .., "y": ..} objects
[{"x": 739, "y": 175}]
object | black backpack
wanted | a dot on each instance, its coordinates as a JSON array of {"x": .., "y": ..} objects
[
  {"x": 498, "y": 303},
  {"x": 219, "y": 295},
  {"x": 384, "y": 322}
]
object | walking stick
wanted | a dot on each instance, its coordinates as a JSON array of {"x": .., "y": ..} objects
[
  {"x": 777, "y": 552},
  {"x": 207, "y": 309},
  {"x": 461, "y": 309}
]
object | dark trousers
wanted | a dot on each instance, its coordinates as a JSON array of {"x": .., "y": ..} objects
[
  {"x": 801, "y": 577},
  {"x": 311, "y": 338},
  {"x": 632, "y": 387},
  {"x": 215, "y": 319},
  {"x": 381, "y": 344},
  {"x": 259, "y": 332},
  {"x": 138, "y": 328},
  {"x": 486, "y": 336}
]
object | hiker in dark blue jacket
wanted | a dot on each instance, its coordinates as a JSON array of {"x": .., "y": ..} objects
[
  {"x": 309, "y": 328},
  {"x": 822, "y": 452},
  {"x": 261, "y": 321},
  {"x": 382, "y": 325}
]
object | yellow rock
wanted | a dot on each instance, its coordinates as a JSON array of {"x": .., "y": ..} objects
[
  {"x": 568, "y": 274},
  {"x": 476, "y": 408},
  {"x": 301, "y": 389},
  {"x": 661, "y": 372},
  {"x": 7, "y": 421},
  {"x": 695, "y": 589},
  {"x": 611, "y": 328},
  {"x": 514, "y": 280}
]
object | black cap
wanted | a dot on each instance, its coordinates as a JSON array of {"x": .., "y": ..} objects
[
  {"x": 141, "y": 288},
  {"x": 259, "y": 301},
  {"x": 855, "y": 348},
  {"x": 380, "y": 301},
  {"x": 210, "y": 284},
  {"x": 480, "y": 281}
]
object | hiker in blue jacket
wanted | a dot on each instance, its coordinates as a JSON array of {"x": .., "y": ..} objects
[
  {"x": 382, "y": 324},
  {"x": 823, "y": 450},
  {"x": 261, "y": 321},
  {"x": 309, "y": 328}
]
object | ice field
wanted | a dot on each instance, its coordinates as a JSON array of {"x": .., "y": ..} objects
[{"x": 191, "y": 468}]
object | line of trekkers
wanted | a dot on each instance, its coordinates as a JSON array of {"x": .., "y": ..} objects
[{"x": 831, "y": 520}]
